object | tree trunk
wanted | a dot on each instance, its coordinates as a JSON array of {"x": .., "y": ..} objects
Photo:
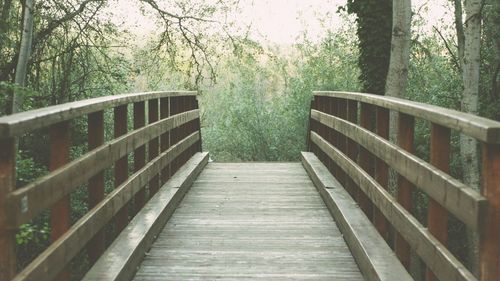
[
  {"x": 24, "y": 54},
  {"x": 400, "y": 48},
  {"x": 469, "y": 104}
]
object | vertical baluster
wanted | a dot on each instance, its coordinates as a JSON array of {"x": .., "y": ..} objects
[
  {"x": 7, "y": 184},
  {"x": 60, "y": 212},
  {"x": 365, "y": 158},
  {"x": 382, "y": 171},
  {"x": 121, "y": 165},
  {"x": 330, "y": 137},
  {"x": 310, "y": 128},
  {"x": 406, "y": 126},
  {"x": 342, "y": 140},
  {"x": 96, "y": 183},
  {"x": 489, "y": 246},
  {"x": 335, "y": 169},
  {"x": 140, "y": 152},
  {"x": 352, "y": 146},
  {"x": 153, "y": 144},
  {"x": 198, "y": 126},
  {"x": 164, "y": 139},
  {"x": 174, "y": 133},
  {"x": 437, "y": 216}
]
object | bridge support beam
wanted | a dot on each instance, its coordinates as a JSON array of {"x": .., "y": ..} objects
[
  {"x": 7, "y": 184},
  {"x": 490, "y": 237}
]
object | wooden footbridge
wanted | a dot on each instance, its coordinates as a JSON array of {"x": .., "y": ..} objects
[{"x": 173, "y": 216}]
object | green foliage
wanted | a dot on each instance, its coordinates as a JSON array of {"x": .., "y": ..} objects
[{"x": 374, "y": 29}]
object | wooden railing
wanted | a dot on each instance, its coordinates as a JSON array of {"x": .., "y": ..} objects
[
  {"x": 171, "y": 135},
  {"x": 349, "y": 133}
]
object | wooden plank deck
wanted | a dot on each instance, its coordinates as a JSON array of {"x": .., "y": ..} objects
[{"x": 250, "y": 221}]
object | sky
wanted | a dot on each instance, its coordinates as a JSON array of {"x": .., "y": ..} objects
[{"x": 276, "y": 21}]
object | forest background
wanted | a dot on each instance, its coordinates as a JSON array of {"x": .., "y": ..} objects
[{"x": 254, "y": 76}]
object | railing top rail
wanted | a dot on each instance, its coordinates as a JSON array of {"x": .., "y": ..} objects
[
  {"x": 23, "y": 122},
  {"x": 483, "y": 129}
]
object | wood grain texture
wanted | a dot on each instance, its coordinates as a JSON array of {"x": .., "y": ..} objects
[
  {"x": 23, "y": 122},
  {"x": 46, "y": 190},
  {"x": 433, "y": 253},
  {"x": 60, "y": 253},
  {"x": 7, "y": 184},
  {"x": 250, "y": 221},
  {"x": 483, "y": 129},
  {"x": 465, "y": 203},
  {"x": 120, "y": 260},
  {"x": 374, "y": 257}
]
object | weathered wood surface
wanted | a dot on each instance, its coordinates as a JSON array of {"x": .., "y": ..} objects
[
  {"x": 120, "y": 260},
  {"x": 46, "y": 190},
  {"x": 483, "y": 129},
  {"x": 60, "y": 253},
  {"x": 433, "y": 253},
  {"x": 250, "y": 221},
  {"x": 462, "y": 201},
  {"x": 374, "y": 257},
  {"x": 23, "y": 122}
]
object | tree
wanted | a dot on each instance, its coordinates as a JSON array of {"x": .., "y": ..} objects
[
  {"x": 374, "y": 18},
  {"x": 397, "y": 75},
  {"x": 469, "y": 52},
  {"x": 24, "y": 54}
]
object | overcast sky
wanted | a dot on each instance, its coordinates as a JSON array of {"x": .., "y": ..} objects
[{"x": 277, "y": 21}]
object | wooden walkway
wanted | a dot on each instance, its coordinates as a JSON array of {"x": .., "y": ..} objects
[{"x": 250, "y": 221}]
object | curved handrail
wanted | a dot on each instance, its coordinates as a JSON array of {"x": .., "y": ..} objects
[
  {"x": 23, "y": 122},
  {"x": 483, "y": 129},
  {"x": 349, "y": 133}
]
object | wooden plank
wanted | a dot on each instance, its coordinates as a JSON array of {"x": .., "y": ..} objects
[
  {"x": 165, "y": 137},
  {"x": 60, "y": 212},
  {"x": 26, "y": 202},
  {"x": 140, "y": 152},
  {"x": 366, "y": 160},
  {"x": 382, "y": 171},
  {"x": 374, "y": 257},
  {"x": 406, "y": 130},
  {"x": 432, "y": 252},
  {"x": 60, "y": 253},
  {"x": 240, "y": 228},
  {"x": 465, "y": 203},
  {"x": 119, "y": 262},
  {"x": 7, "y": 184},
  {"x": 153, "y": 145},
  {"x": 437, "y": 216},
  {"x": 121, "y": 165},
  {"x": 489, "y": 247},
  {"x": 483, "y": 129},
  {"x": 24, "y": 122},
  {"x": 96, "y": 183}
]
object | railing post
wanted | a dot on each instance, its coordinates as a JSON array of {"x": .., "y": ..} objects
[
  {"x": 7, "y": 184},
  {"x": 174, "y": 133},
  {"x": 96, "y": 183},
  {"x": 489, "y": 247},
  {"x": 60, "y": 212},
  {"x": 365, "y": 158},
  {"x": 121, "y": 165},
  {"x": 437, "y": 216},
  {"x": 198, "y": 126},
  {"x": 140, "y": 152},
  {"x": 342, "y": 140},
  {"x": 153, "y": 144},
  {"x": 165, "y": 137},
  {"x": 406, "y": 126},
  {"x": 352, "y": 146},
  {"x": 382, "y": 171}
]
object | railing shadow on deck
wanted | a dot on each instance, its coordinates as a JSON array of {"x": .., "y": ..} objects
[
  {"x": 349, "y": 133},
  {"x": 171, "y": 135}
]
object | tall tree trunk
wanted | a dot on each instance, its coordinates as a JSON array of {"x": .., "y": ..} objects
[
  {"x": 400, "y": 48},
  {"x": 470, "y": 76},
  {"x": 24, "y": 54}
]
